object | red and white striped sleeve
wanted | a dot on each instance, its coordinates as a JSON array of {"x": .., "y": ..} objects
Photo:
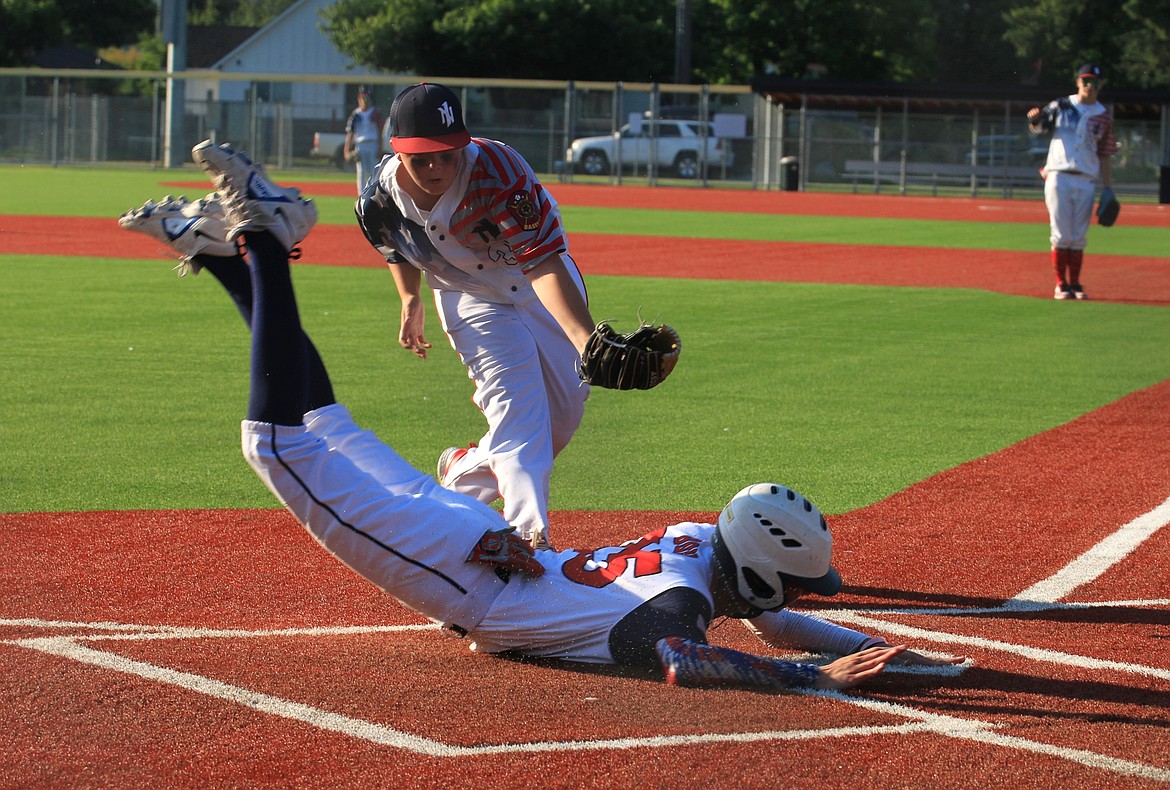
[{"x": 504, "y": 189}]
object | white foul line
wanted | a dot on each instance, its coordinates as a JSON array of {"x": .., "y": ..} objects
[
  {"x": 1096, "y": 560},
  {"x": 919, "y": 721},
  {"x": 65, "y": 647},
  {"x": 1083, "y": 570},
  {"x": 1033, "y": 653}
]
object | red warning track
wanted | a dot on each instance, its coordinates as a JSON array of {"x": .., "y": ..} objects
[
  {"x": 810, "y": 204},
  {"x": 1114, "y": 278}
]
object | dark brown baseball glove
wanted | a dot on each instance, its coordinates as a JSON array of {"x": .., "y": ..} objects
[
  {"x": 1108, "y": 208},
  {"x": 637, "y": 360}
]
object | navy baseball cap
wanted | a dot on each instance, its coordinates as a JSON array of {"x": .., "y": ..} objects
[
  {"x": 1090, "y": 70},
  {"x": 426, "y": 118}
]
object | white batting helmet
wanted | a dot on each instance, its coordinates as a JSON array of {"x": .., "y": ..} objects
[{"x": 772, "y": 536}]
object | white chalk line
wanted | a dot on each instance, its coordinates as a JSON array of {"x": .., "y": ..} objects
[
  {"x": 66, "y": 647},
  {"x": 918, "y": 722},
  {"x": 1100, "y": 558},
  {"x": 873, "y": 620},
  {"x": 1042, "y": 595}
]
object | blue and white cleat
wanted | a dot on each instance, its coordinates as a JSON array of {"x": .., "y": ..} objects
[
  {"x": 188, "y": 228},
  {"x": 251, "y": 201}
]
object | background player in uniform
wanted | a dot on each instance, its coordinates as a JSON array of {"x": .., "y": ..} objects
[
  {"x": 363, "y": 137},
  {"x": 471, "y": 214},
  {"x": 1078, "y": 157},
  {"x": 453, "y": 559}
]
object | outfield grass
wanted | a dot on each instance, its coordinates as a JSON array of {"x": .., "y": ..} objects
[{"x": 126, "y": 385}]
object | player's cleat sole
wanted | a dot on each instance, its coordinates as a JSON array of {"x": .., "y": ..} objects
[
  {"x": 251, "y": 200},
  {"x": 190, "y": 229}
]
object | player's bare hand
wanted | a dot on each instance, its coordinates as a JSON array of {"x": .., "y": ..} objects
[
  {"x": 410, "y": 334},
  {"x": 848, "y": 671},
  {"x": 1033, "y": 113}
]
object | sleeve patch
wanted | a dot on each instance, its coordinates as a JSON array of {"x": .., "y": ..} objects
[{"x": 524, "y": 210}]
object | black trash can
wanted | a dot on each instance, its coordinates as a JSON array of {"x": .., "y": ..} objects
[
  {"x": 790, "y": 174},
  {"x": 1164, "y": 185}
]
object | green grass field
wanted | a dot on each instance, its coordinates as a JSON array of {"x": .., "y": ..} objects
[{"x": 126, "y": 385}]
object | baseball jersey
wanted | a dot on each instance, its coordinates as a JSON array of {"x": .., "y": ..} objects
[
  {"x": 496, "y": 223},
  {"x": 365, "y": 125},
  {"x": 1081, "y": 135},
  {"x": 659, "y": 581}
]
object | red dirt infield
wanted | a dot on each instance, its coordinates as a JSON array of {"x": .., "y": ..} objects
[{"x": 225, "y": 648}]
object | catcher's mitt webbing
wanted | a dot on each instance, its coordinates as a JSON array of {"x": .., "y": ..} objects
[{"x": 637, "y": 360}]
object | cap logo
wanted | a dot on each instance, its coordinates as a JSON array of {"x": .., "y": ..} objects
[{"x": 447, "y": 114}]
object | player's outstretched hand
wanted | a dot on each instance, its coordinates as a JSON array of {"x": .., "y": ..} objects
[
  {"x": 505, "y": 549},
  {"x": 909, "y": 658},
  {"x": 847, "y": 671},
  {"x": 410, "y": 334}
]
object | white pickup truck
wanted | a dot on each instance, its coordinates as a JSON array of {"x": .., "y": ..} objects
[
  {"x": 330, "y": 145},
  {"x": 679, "y": 146}
]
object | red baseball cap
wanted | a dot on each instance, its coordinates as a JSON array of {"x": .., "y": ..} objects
[{"x": 426, "y": 118}]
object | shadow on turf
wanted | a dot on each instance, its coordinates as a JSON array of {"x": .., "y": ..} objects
[
  {"x": 886, "y": 597},
  {"x": 1039, "y": 697}
]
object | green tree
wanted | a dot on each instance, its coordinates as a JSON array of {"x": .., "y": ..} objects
[
  {"x": 1060, "y": 35},
  {"x": 538, "y": 39},
  {"x": 837, "y": 39},
  {"x": 29, "y": 26},
  {"x": 1145, "y": 60},
  {"x": 970, "y": 44},
  {"x": 248, "y": 13}
]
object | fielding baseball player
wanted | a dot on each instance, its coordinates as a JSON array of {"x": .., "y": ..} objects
[
  {"x": 454, "y": 559},
  {"x": 363, "y": 137},
  {"x": 1078, "y": 157},
  {"x": 471, "y": 215}
]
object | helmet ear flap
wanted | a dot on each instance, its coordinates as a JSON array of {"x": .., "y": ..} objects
[{"x": 758, "y": 586}]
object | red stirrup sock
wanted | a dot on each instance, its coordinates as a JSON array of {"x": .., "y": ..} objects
[
  {"x": 1060, "y": 265},
  {"x": 1075, "y": 259}
]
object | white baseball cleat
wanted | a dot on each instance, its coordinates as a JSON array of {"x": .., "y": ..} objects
[
  {"x": 188, "y": 228},
  {"x": 447, "y": 459},
  {"x": 251, "y": 201},
  {"x": 1062, "y": 292}
]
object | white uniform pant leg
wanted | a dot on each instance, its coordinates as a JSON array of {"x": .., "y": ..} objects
[
  {"x": 412, "y": 546},
  {"x": 336, "y": 427},
  {"x": 367, "y": 160},
  {"x": 1069, "y": 198},
  {"x": 503, "y": 347}
]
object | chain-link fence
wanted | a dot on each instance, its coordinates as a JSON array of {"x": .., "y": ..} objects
[{"x": 609, "y": 132}]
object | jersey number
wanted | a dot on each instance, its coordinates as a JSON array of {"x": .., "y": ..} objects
[{"x": 583, "y": 569}]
